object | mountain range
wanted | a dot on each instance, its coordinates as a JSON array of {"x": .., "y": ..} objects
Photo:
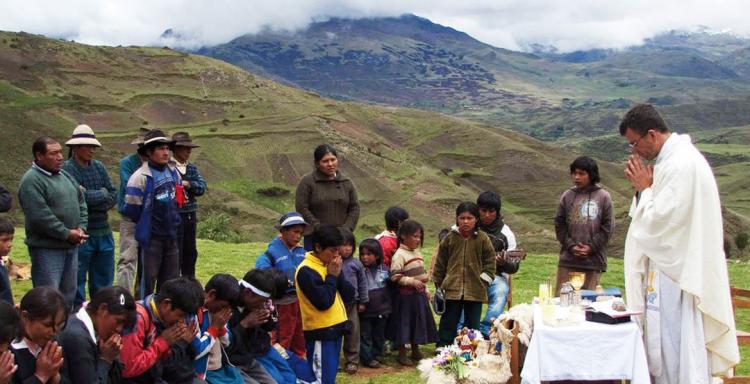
[
  {"x": 410, "y": 61},
  {"x": 257, "y": 134}
]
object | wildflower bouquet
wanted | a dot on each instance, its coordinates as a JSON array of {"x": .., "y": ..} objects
[{"x": 451, "y": 362}]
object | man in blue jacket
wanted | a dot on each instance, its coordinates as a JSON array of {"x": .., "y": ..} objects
[{"x": 152, "y": 199}]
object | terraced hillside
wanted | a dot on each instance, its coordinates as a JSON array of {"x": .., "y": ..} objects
[
  {"x": 257, "y": 134},
  {"x": 257, "y": 138}
]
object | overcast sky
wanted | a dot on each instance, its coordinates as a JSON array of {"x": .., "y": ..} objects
[{"x": 514, "y": 24}]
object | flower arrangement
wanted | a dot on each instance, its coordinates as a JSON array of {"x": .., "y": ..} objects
[
  {"x": 467, "y": 361},
  {"x": 451, "y": 362}
]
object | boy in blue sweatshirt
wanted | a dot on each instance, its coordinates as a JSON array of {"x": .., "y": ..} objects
[{"x": 285, "y": 253}]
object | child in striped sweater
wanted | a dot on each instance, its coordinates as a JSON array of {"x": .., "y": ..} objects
[{"x": 411, "y": 318}]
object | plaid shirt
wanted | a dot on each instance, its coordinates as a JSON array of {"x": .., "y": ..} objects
[
  {"x": 197, "y": 188},
  {"x": 101, "y": 194}
]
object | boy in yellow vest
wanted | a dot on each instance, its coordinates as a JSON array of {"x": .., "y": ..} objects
[{"x": 322, "y": 291}]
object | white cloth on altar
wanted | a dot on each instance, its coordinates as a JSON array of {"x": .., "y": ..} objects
[
  {"x": 677, "y": 227},
  {"x": 585, "y": 351}
]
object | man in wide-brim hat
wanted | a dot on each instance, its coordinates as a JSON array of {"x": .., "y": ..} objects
[
  {"x": 96, "y": 257},
  {"x": 195, "y": 186},
  {"x": 127, "y": 262},
  {"x": 152, "y": 200}
]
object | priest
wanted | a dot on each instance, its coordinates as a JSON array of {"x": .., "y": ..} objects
[{"x": 675, "y": 268}]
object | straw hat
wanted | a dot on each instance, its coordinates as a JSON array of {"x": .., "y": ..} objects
[{"x": 83, "y": 135}]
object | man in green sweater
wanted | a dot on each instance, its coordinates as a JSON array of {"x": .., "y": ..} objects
[
  {"x": 55, "y": 218},
  {"x": 96, "y": 258}
]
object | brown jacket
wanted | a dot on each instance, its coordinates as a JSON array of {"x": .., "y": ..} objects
[
  {"x": 324, "y": 201},
  {"x": 584, "y": 216},
  {"x": 465, "y": 267}
]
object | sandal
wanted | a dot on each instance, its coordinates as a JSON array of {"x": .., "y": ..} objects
[{"x": 373, "y": 364}]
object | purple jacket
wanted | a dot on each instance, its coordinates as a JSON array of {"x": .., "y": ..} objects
[{"x": 354, "y": 273}]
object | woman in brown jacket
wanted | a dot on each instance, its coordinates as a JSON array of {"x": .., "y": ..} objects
[
  {"x": 464, "y": 268},
  {"x": 325, "y": 196}
]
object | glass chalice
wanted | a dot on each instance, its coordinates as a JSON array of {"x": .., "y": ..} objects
[{"x": 576, "y": 280}]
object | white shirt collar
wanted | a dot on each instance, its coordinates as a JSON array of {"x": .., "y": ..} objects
[
  {"x": 182, "y": 167},
  {"x": 22, "y": 344},
  {"x": 86, "y": 319},
  {"x": 40, "y": 169}
]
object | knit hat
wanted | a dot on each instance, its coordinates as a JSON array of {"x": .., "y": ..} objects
[
  {"x": 83, "y": 135},
  {"x": 153, "y": 138}
]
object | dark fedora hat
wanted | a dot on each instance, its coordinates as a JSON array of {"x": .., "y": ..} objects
[
  {"x": 141, "y": 134},
  {"x": 182, "y": 139},
  {"x": 154, "y": 138}
]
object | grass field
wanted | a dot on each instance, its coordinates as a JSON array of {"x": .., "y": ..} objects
[{"x": 236, "y": 259}]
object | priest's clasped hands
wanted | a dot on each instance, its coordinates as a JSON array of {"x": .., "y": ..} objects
[{"x": 639, "y": 174}]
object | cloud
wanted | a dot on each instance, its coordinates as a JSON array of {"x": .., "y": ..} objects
[{"x": 514, "y": 24}]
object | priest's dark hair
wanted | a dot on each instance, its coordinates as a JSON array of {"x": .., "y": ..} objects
[
  {"x": 641, "y": 119},
  {"x": 587, "y": 165}
]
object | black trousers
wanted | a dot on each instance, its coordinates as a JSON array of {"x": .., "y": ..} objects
[
  {"x": 159, "y": 262},
  {"x": 472, "y": 311},
  {"x": 186, "y": 241},
  {"x": 372, "y": 337}
]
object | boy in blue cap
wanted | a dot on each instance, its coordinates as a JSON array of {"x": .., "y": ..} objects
[{"x": 285, "y": 253}]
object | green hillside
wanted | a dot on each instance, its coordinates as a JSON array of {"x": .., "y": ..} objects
[{"x": 256, "y": 134}]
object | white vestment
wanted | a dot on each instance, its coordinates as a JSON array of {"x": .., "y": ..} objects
[{"x": 676, "y": 233}]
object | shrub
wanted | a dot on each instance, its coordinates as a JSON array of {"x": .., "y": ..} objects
[
  {"x": 727, "y": 248},
  {"x": 273, "y": 191},
  {"x": 216, "y": 227},
  {"x": 741, "y": 240}
]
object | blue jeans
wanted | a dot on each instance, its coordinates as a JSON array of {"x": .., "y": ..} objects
[
  {"x": 57, "y": 268},
  {"x": 96, "y": 258},
  {"x": 497, "y": 296}
]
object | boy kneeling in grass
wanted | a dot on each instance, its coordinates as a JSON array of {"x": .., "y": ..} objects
[{"x": 158, "y": 348}]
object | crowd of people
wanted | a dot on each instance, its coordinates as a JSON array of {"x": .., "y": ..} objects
[{"x": 315, "y": 293}]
